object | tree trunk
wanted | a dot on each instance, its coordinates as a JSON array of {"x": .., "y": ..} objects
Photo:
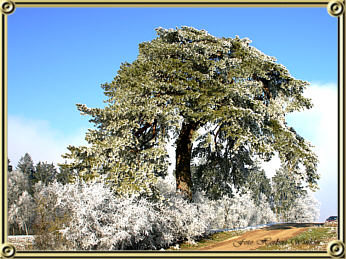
[
  {"x": 26, "y": 228},
  {"x": 183, "y": 159}
]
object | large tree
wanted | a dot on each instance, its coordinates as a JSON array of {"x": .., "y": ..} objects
[{"x": 221, "y": 94}]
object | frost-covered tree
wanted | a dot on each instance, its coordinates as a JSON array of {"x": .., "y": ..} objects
[
  {"x": 241, "y": 211},
  {"x": 65, "y": 175},
  {"x": 51, "y": 217},
  {"x": 21, "y": 210},
  {"x": 26, "y": 165},
  {"x": 286, "y": 191},
  {"x": 306, "y": 208},
  {"x": 44, "y": 172},
  {"x": 259, "y": 185},
  {"x": 220, "y": 92}
]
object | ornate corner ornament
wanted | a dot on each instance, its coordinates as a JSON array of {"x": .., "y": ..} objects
[
  {"x": 7, "y": 7},
  {"x": 335, "y": 8},
  {"x": 336, "y": 248},
  {"x": 7, "y": 251}
]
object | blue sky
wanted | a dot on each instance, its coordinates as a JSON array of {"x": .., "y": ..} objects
[{"x": 58, "y": 57}]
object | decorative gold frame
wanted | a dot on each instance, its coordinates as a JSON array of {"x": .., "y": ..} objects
[{"x": 334, "y": 7}]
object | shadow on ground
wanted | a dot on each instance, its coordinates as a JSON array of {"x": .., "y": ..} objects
[{"x": 293, "y": 225}]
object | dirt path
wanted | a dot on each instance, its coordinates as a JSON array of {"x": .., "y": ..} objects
[{"x": 259, "y": 237}]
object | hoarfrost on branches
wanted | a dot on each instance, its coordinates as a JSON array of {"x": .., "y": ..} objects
[
  {"x": 181, "y": 82},
  {"x": 224, "y": 103},
  {"x": 305, "y": 209},
  {"x": 20, "y": 203},
  {"x": 99, "y": 220}
]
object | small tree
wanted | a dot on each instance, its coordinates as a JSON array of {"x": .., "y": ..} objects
[
  {"x": 306, "y": 208},
  {"x": 21, "y": 211},
  {"x": 51, "y": 217},
  {"x": 44, "y": 172},
  {"x": 286, "y": 191},
  {"x": 193, "y": 86},
  {"x": 259, "y": 185},
  {"x": 26, "y": 165},
  {"x": 65, "y": 175}
]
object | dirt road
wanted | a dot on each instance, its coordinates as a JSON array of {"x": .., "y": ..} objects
[{"x": 259, "y": 237}]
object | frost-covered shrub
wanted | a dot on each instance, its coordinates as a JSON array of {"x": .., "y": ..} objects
[
  {"x": 225, "y": 213},
  {"x": 102, "y": 221},
  {"x": 20, "y": 203},
  {"x": 51, "y": 216},
  {"x": 180, "y": 219},
  {"x": 87, "y": 216},
  {"x": 240, "y": 211},
  {"x": 305, "y": 209},
  {"x": 96, "y": 219},
  {"x": 264, "y": 212}
]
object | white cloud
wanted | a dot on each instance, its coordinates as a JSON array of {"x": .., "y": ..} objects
[
  {"x": 326, "y": 114},
  {"x": 39, "y": 139},
  {"x": 319, "y": 125}
]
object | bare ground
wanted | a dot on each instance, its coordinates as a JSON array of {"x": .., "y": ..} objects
[{"x": 256, "y": 238}]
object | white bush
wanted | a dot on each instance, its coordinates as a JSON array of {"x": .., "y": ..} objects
[
  {"x": 240, "y": 211},
  {"x": 99, "y": 220},
  {"x": 305, "y": 209}
]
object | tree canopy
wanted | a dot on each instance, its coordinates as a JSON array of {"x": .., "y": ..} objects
[{"x": 222, "y": 100}]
